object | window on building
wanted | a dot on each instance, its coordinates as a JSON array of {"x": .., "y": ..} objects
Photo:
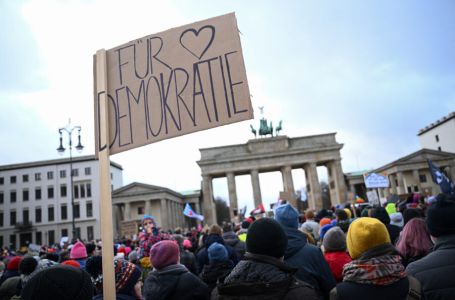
[
  {"x": 25, "y": 195},
  {"x": 1, "y": 223},
  {"x": 64, "y": 212},
  {"x": 12, "y": 179},
  {"x": 12, "y": 218},
  {"x": 50, "y": 214},
  {"x": 82, "y": 189},
  {"x": 75, "y": 172},
  {"x": 64, "y": 232},
  {"x": 37, "y": 176},
  {"x": 89, "y": 209},
  {"x": 439, "y": 148},
  {"x": 38, "y": 215},
  {"x": 88, "y": 186},
  {"x": 50, "y": 175},
  {"x": 38, "y": 238},
  {"x": 38, "y": 193},
  {"x": 90, "y": 235},
  {"x": 112, "y": 176},
  {"x": 62, "y": 173},
  {"x": 436, "y": 138},
  {"x": 88, "y": 171},
  {"x": 423, "y": 178},
  {"x": 12, "y": 196},
  {"x": 12, "y": 241},
  {"x": 416, "y": 188},
  {"x": 63, "y": 190},
  {"x": 2, "y": 198},
  {"x": 51, "y": 236},
  {"x": 140, "y": 210},
  {"x": 25, "y": 178},
  {"x": 409, "y": 189},
  {"x": 25, "y": 216},
  {"x": 2, "y": 180},
  {"x": 1, "y": 241},
  {"x": 76, "y": 191},
  {"x": 77, "y": 210},
  {"x": 78, "y": 232},
  {"x": 50, "y": 192}
]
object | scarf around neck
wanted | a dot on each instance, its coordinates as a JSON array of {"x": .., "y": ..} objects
[{"x": 381, "y": 270}]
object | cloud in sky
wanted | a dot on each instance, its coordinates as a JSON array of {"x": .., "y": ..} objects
[{"x": 374, "y": 72}]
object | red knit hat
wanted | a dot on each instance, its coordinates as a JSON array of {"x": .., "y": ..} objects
[
  {"x": 78, "y": 251},
  {"x": 164, "y": 253},
  {"x": 72, "y": 262},
  {"x": 13, "y": 264}
]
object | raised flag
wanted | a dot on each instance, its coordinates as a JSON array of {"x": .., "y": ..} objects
[
  {"x": 446, "y": 185},
  {"x": 242, "y": 211},
  {"x": 258, "y": 210},
  {"x": 189, "y": 212}
]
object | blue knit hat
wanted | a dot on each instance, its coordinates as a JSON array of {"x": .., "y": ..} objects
[
  {"x": 287, "y": 216},
  {"x": 217, "y": 253},
  {"x": 148, "y": 217}
]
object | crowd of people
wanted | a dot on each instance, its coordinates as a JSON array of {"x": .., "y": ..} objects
[{"x": 401, "y": 250}]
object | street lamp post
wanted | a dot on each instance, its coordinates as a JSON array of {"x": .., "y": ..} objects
[{"x": 68, "y": 129}]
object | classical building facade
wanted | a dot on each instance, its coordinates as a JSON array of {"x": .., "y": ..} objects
[
  {"x": 134, "y": 200},
  {"x": 273, "y": 154},
  {"x": 35, "y": 200},
  {"x": 409, "y": 174},
  {"x": 439, "y": 135}
]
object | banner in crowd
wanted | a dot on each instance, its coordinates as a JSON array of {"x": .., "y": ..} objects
[
  {"x": 189, "y": 212},
  {"x": 258, "y": 210},
  {"x": 376, "y": 180},
  {"x": 446, "y": 185}
]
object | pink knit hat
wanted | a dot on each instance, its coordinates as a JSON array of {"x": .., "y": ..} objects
[
  {"x": 164, "y": 253},
  {"x": 187, "y": 244},
  {"x": 78, "y": 251}
]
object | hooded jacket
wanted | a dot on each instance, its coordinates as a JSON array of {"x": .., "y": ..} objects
[
  {"x": 231, "y": 239},
  {"x": 174, "y": 282},
  {"x": 308, "y": 259},
  {"x": 263, "y": 278}
]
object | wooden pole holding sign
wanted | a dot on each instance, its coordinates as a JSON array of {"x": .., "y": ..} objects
[{"x": 107, "y": 236}]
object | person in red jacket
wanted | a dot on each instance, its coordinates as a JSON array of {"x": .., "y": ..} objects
[{"x": 334, "y": 245}]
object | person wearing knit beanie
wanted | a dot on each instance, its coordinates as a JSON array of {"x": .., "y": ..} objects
[
  {"x": 13, "y": 264},
  {"x": 217, "y": 253},
  {"x": 79, "y": 253},
  {"x": 164, "y": 253},
  {"x": 435, "y": 271},
  {"x": 169, "y": 279},
  {"x": 26, "y": 268},
  {"x": 219, "y": 265},
  {"x": 376, "y": 271},
  {"x": 59, "y": 283},
  {"x": 266, "y": 237},
  {"x": 366, "y": 233},
  {"x": 287, "y": 216},
  {"x": 334, "y": 245},
  {"x": 324, "y": 221}
]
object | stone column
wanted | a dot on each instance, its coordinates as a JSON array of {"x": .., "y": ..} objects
[
  {"x": 232, "y": 193},
  {"x": 393, "y": 184},
  {"x": 164, "y": 214},
  {"x": 127, "y": 213},
  {"x": 400, "y": 188},
  {"x": 147, "y": 209},
  {"x": 288, "y": 183},
  {"x": 415, "y": 174},
  {"x": 386, "y": 192},
  {"x": 315, "y": 188},
  {"x": 256, "y": 188},
  {"x": 207, "y": 200},
  {"x": 340, "y": 184}
]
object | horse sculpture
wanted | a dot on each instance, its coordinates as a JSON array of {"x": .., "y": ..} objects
[
  {"x": 278, "y": 128},
  {"x": 264, "y": 129},
  {"x": 253, "y": 130}
]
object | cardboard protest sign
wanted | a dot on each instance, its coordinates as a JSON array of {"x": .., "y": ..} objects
[{"x": 168, "y": 84}]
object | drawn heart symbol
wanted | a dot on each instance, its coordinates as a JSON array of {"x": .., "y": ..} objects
[{"x": 197, "y": 42}]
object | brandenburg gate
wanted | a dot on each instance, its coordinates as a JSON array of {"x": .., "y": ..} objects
[{"x": 281, "y": 154}]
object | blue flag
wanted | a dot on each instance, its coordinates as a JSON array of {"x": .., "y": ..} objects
[
  {"x": 446, "y": 185},
  {"x": 189, "y": 212}
]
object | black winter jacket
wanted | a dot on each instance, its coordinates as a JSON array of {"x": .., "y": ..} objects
[
  {"x": 263, "y": 278},
  {"x": 436, "y": 271},
  {"x": 174, "y": 282}
]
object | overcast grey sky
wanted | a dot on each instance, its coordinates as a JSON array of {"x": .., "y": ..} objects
[{"x": 375, "y": 72}]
